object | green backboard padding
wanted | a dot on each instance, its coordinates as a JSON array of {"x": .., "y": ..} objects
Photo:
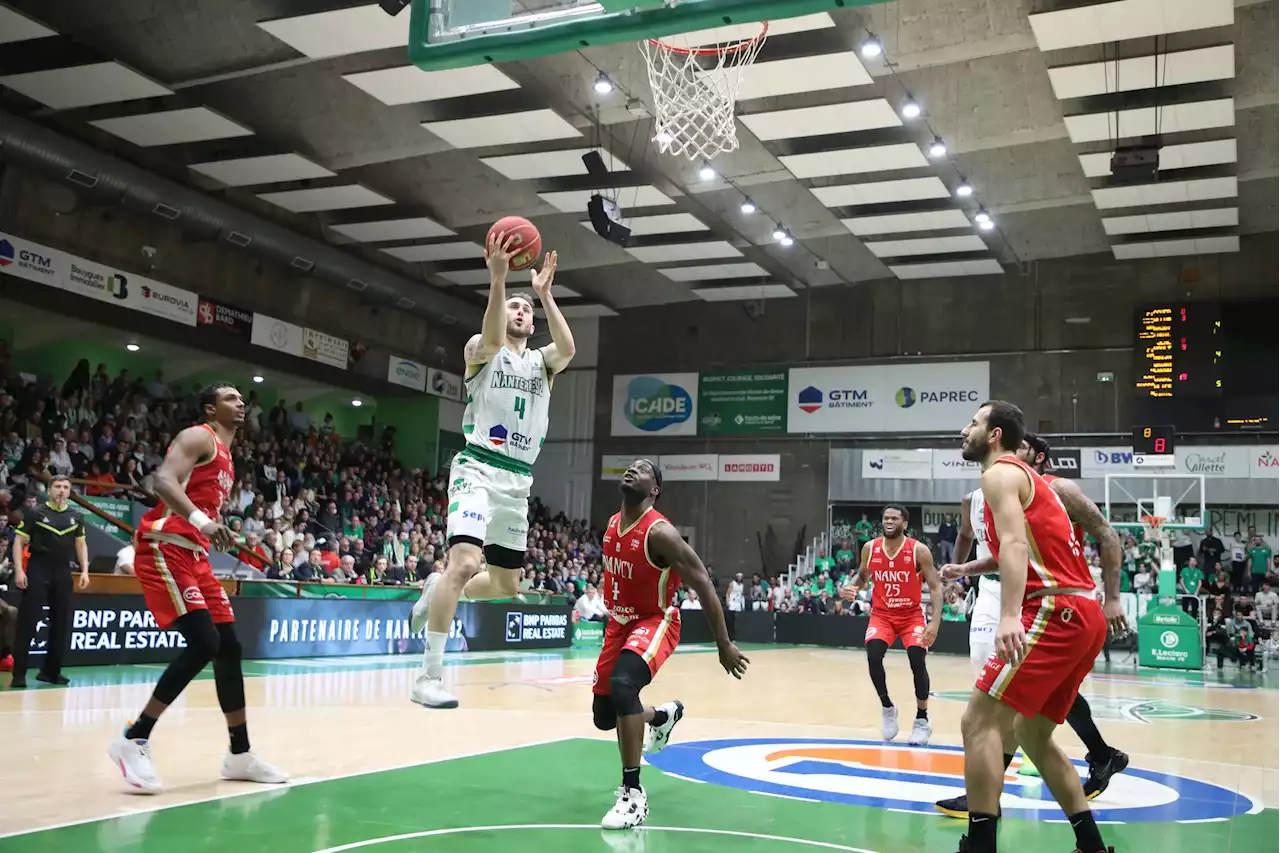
[{"x": 609, "y": 28}]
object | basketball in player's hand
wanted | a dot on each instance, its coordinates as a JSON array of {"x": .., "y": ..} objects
[{"x": 523, "y": 235}]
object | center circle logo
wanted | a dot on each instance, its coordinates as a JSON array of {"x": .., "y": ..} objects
[
  {"x": 874, "y": 774},
  {"x": 906, "y": 397},
  {"x": 1169, "y": 639}
]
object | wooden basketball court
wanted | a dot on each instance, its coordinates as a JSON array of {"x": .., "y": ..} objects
[{"x": 788, "y": 759}]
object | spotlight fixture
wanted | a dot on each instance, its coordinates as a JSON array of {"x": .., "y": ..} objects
[
  {"x": 964, "y": 190},
  {"x": 871, "y": 47},
  {"x": 787, "y": 241},
  {"x": 982, "y": 216},
  {"x": 132, "y": 347},
  {"x": 603, "y": 84},
  {"x": 987, "y": 224},
  {"x": 911, "y": 109},
  {"x": 357, "y": 403},
  {"x": 938, "y": 148},
  {"x": 707, "y": 173},
  {"x": 779, "y": 233},
  {"x": 748, "y": 207},
  {"x": 258, "y": 379}
]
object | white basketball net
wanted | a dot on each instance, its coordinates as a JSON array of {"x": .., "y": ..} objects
[{"x": 694, "y": 93}]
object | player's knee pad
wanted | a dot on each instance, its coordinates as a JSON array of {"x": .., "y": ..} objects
[
  {"x": 203, "y": 639},
  {"x": 876, "y": 650},
  {"x": 630, "y": 676},
  {"x": 229, "y": 648},
  {"x": 917, "y": 654},
  {"x": 603, "y": 713}
]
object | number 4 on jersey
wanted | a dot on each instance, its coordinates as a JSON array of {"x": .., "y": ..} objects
[{"x": 520, "y": 401}]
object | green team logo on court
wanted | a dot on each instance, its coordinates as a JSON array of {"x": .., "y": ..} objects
[{"x": 1129, "y": 709}]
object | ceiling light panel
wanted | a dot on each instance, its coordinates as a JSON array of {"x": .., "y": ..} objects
[
  {"x": 548, "y": 164},
  {"x": 417, "y": 228},
  {"x": 664, "y": 223},
  {"x": 1173, "y": 192},
  {"x": 881, "y": 192},
  {"x": 985, "y": 266},
  {"x": 436, "y": 252},
  {"x": 84, "y": 85},
  {"x": 710, "y": 272},
  {"x": 342, "y": 31},
  {"x": 900, "y": 223},
  {"x": 678, "y": 252},
  {"x": 1148, "y": 121},
  {"x": 1174, "y": 248},
  {"x": 15, "y": 27},
  {"x": 325, "y": 198},
  {"x": 409, "y": 84},
  {"x": 1144, "y": 72},
  {"x": 582, "y": 311},
  {"x": 271, "y": 169},
  {"x": 172, "y": 127},
  {"x": 854, "y": 161},
  {"x": 505, "y": 129},
  {"x": 1186, "y": 156},
  {"x": 1181, "y": 220},
  {"x": 803, "y": 74},
  {"x": 736, "y": 293},
  {"x": 927, "y": 246},
  {"x": 575, "y": 201},
  {"x": 849, "y": 117},
  {"x": 741, "y": 32},
  {"x": 1101, "y": 23}
]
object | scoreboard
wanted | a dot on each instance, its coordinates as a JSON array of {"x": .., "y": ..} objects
[{"x": 1207, "y": 366}]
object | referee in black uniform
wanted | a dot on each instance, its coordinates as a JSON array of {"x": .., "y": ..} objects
[{"x": 55, "y": 533}]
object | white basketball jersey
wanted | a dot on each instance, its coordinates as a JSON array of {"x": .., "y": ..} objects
[
  {"x": 977, "y": 507},
  {"x": 507, "y": 405}
]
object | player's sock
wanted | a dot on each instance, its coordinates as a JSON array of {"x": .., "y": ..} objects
[
  {"x": 141, "y": 728},
  {"x": 659, "y": 717},
  {"x": 239, "y": 738},
  {"x": 1088, "y": 839},
  {"x": 631, "y": 778},
  {"x": 982, "y": 832},
  {"x": 922, "y": 713},
  {"x": 433, "y": 658},
  {"x": 1080, "y": 718}
]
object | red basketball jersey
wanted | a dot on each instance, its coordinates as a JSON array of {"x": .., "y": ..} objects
[
  {"x": 208, "y": 487},
  {"x": 1055, "y": 559},
  {"x": 634, "y": 586},
  {"x": 1077, "y": 529},
  {"x": 895, "y": 579}
]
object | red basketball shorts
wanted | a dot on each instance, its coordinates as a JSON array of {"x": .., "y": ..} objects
[
  {"x": 1064, "y": 635},
  {"x": 177, "y": 580},
  {"x": 653, "y": 638},
  {"x": 889, "y": 625}
]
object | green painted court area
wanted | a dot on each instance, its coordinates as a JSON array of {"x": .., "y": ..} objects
[{"x": 551, "y": 796}]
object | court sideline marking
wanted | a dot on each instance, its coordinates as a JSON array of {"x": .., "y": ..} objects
[
  {"x": 460, "y": 830},
  {"x": 297, "y": 783}
]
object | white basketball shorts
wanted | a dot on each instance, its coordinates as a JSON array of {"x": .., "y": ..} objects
[{"x": 488, "y": 503}]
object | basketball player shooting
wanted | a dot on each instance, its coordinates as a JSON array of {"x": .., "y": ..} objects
[
  {"x": 172, "y": 563},
  {"x": 508, "y": 390},
  {"x": 1051, "y": 630},
  {"x": 894, "y": 564},
  {"x": 645, "y": 558},
  {"x": 1104, "y": 760}
]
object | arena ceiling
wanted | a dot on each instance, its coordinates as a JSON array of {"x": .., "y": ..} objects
[{"x": 310, "y": 114}]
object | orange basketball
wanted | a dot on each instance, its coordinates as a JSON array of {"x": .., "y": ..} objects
[{"x": 527, "y": 238}]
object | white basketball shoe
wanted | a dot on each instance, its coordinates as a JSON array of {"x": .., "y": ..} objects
[
  {"x": 657, "y": 738},
  {"x": 133, "y": 758},
  {"x": 921, "y": 731},
  {"x": 430, "y": 693},
  {"x": 889, "y": 722},
  {"x": 247, "y": 767},
  {"x": 628, "y": 812}
]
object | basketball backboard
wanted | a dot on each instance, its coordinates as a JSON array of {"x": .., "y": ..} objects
[
  {"x": 1177, "y": 498},
  {"x": 457, "y": 33}
]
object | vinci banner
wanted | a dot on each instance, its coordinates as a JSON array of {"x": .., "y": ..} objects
[
  {"x": 936, "y": 397},
  {"x": 652, "y": 404}
]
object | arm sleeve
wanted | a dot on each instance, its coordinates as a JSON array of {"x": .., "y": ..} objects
[
  {"x": 24, "y": 526},
  {"x": 80, "y": 534}
]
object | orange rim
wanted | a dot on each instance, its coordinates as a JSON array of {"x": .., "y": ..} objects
[{"x": 714, "y": 51}]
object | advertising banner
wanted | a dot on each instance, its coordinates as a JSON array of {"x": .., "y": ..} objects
[
  {"x": 886, "y": 397},
  {"x": 227, "y": 318},
  {"x": 106, "y": 284},
  {"x": 897, "y": 464},
  {"x": 1065, "y": 463},
  {"x": 950, "y": 465},
  {"x": 444, "y": 384},
  {"x": 32, "y": 261},
  {"x": 742, "y": 402},
  {"x": 324, "y": 348},
  {"x": 1169, "y": 638},
  {"x": 612, "y": 466},
  {"x": 1264, "y": 462},
  {"x": 1101, "y": 461},
  {"x": 410, "y": 374},
  {"x": 122, "y": 510},
  {"x": 277, "y": 335},
  {"x": 759, "y": 467},
  {"x": 698, "y": 466},
  {"x": 110, "y": 629},
  {"x": 1214, "y": 462},
  {"x": 932, "y": 516},
  {"x": 655, "y": 404}
]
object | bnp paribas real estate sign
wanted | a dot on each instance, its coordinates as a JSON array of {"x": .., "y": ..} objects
[
  {"x": 743, "y": 402},
  {"x": 1168, "y": 637}
]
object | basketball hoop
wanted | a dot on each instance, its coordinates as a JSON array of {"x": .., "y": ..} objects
[
  {"x": 695, "y": 89},
  {"x": 1153, "y": 523}
]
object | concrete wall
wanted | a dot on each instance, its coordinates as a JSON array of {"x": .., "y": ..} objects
[{"x": 1016, "y": 321}]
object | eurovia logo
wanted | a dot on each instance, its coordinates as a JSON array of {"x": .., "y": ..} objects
[
  {"x": 874, "y": 774},
  {"x": 653, "y": 405}
]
